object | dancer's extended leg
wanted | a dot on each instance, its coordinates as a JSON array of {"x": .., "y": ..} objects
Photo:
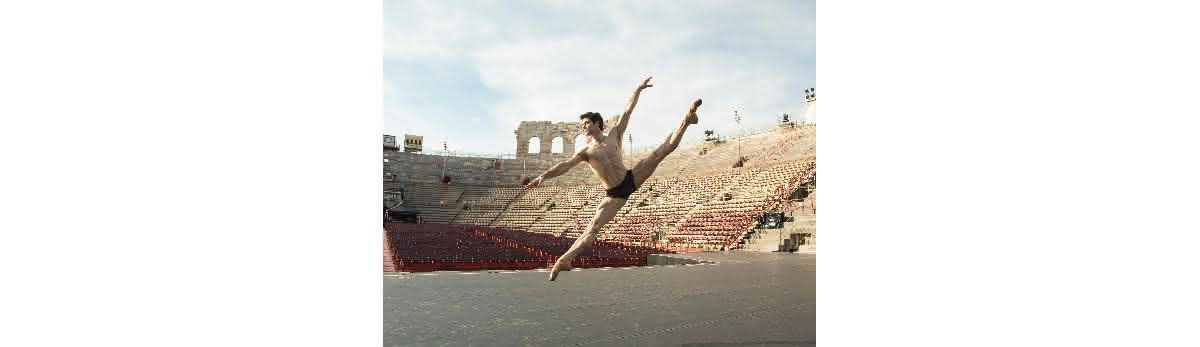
[
  {"x": 644, "y": 168},
  {"x": 605, "y": 212}
]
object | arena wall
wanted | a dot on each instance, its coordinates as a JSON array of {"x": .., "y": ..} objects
[{"x": 704, "y": 158}]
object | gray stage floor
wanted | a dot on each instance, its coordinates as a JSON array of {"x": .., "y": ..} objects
[{"x": 744, "y": 299}]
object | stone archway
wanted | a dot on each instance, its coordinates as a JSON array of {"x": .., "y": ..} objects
[
  {"x": 553, "y": 138},
  {"x": 556, "y": 145},
  {"x": 581, "y": 141},
  {"x": 534, "y": 146}
]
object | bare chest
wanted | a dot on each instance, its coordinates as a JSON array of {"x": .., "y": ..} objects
[
  {"x": 603, "y": 154},
  {"x": 606, "y": 162}
]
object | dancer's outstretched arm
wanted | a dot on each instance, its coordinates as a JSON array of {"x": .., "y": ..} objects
[
  {"x": 557, "y": 169},
  {"x": 618, "y": 129}
]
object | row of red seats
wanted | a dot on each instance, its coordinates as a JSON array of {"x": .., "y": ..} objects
[
  {"x": 716, "y": 223},
  {"x": 429, "y": 247},
  {"x": 638, "y": 225},
  {"x": 599, "y": 253},
  {"x": 413, "y": 244}
]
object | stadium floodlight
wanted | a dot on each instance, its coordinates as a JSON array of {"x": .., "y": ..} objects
[
  {"x": 445, "y": 155},
  {"x": 630, "y": 149},
  {"x": 738, "y": 119}
]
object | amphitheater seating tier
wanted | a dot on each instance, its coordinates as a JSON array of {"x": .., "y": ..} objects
[
  {"x": 429, "y": 247},
  {"x": 695, "y": 196}
]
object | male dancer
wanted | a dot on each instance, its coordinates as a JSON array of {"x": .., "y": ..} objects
[{"x": 603, "y": 154}]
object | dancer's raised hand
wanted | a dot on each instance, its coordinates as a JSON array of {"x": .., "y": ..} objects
[{"x": 645, "y": 84}]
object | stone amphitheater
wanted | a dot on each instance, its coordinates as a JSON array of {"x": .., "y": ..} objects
[
  {"x": 473, "y": 272},
  {"x": 697, "y": 200}
]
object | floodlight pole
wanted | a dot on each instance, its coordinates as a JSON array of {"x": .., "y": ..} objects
[
  {"x": 738, "y": 118},
  {"x": 630, "y": 150}
]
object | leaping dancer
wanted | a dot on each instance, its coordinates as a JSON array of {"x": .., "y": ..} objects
[{"x": 603, "y": 154}]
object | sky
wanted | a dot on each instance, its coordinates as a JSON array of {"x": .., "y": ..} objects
[{"x": 469, "y": 72}]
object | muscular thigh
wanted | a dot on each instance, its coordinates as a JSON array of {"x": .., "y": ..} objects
[
  {"x": 606, "y": 210},
  {"x": 645, "y": 168}
]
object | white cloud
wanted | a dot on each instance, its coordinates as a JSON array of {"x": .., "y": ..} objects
[{"x": 558, "y": 60}]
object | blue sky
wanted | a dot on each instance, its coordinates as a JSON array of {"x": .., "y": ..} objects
[{"x": 469, "y": 72}]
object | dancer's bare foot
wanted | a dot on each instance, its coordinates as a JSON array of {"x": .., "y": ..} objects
[
  {"x": 691, "y": 117},
  {"x": 558, "y": 267}
]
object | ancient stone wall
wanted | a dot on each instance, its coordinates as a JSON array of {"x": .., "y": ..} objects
[
  {"x": 413, "y": 143},
  {"x": 424, "y": 168},
  {"x": 546, "y": 131},
  {"x": 416, "y": 167}
]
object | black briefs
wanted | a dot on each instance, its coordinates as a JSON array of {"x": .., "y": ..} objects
[{"x": 623, "y": 190}]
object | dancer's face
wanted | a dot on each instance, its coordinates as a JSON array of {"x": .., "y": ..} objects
[{"x": 589, "y": 127}]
